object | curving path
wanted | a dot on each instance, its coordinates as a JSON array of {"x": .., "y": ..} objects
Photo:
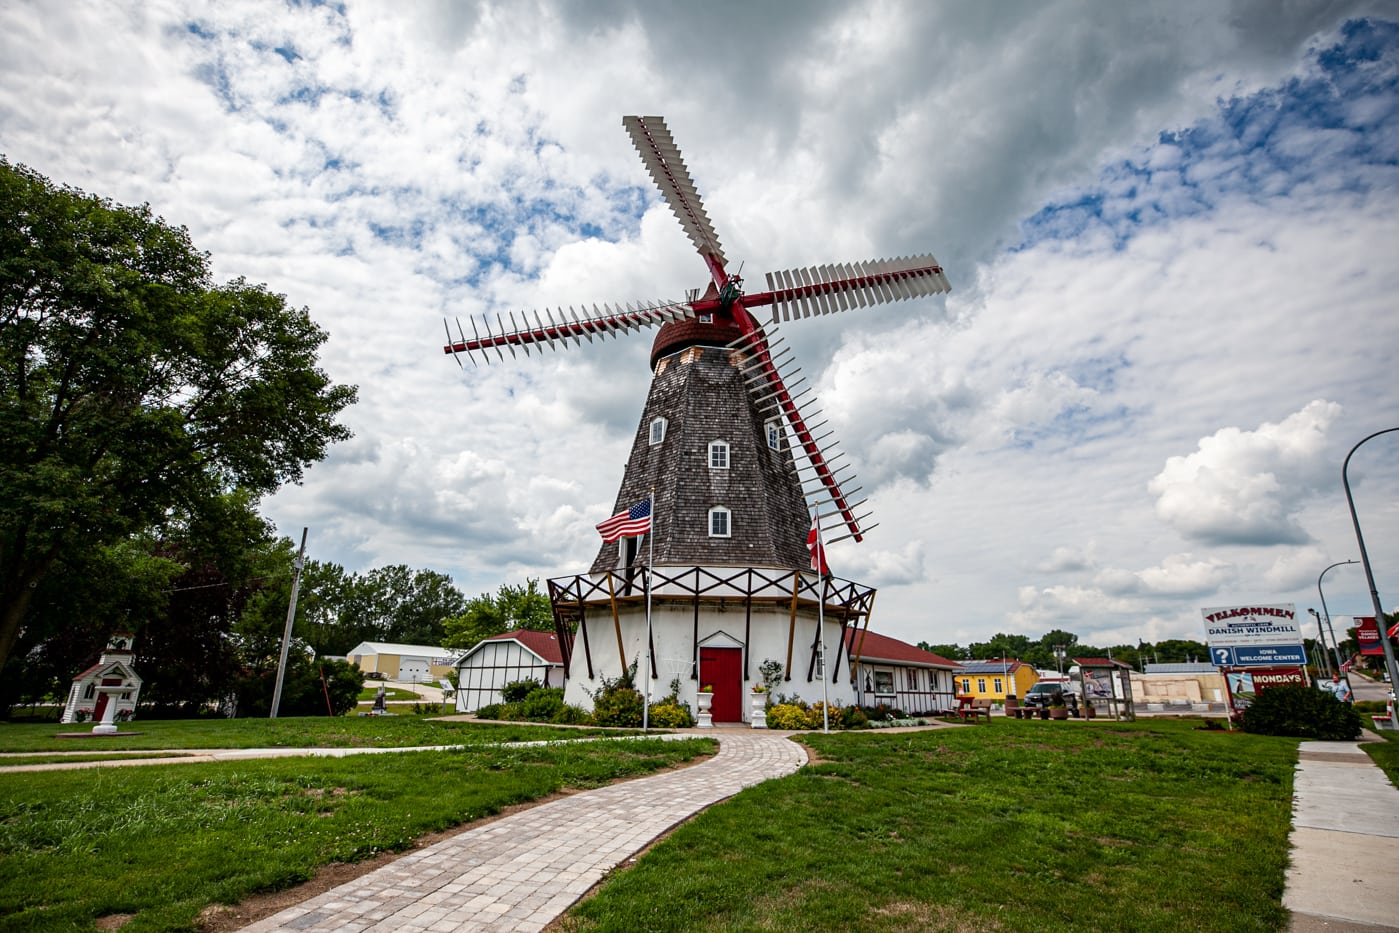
[{"x": 520, "y": 872}]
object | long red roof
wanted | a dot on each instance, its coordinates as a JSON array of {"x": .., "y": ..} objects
[
  {"x": 879, "y": 647},
  {"x": 544, "y": 644}
]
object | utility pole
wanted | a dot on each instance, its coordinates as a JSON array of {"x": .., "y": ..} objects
[{"x": 291, "y": 616}]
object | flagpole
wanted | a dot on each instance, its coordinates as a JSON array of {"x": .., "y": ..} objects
[
  {"x": 821, "y": 626},
  {"x": 646, "y": 648}
]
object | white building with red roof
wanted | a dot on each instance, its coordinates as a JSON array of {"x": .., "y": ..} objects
[
  {"x": 86, "y": 702},
  {"x": 504, "y": 659},
  {"x": 893, "y": 673}
]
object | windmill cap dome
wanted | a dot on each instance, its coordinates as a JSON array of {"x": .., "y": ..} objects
[{"x": 677, "y": 335}]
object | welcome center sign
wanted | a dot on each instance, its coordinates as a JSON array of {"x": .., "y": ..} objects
[{"x": 1254, "y": 636}]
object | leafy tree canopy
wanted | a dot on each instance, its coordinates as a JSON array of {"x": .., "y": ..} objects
[
  {"x": 511, "y": 608},
  {"x": 133, "y": 388}
]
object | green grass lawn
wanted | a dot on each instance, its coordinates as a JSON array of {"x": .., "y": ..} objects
[
  {"x": 1016, "y": 826},
  {"x": 315, "y": 731},
  {"x": 1386, "y": 754},
  {"x": 371, "y": 690},
  {"x": 162, "y": 843}
]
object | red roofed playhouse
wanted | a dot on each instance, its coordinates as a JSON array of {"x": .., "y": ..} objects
[
  {"x": 893, "y": 673},
  {"x": 111, "y": 682}
]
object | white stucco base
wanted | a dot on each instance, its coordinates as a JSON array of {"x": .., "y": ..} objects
[{"x": 763, "y": 636}]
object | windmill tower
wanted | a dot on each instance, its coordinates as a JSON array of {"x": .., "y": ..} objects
[{"x": 732, "y": 460}]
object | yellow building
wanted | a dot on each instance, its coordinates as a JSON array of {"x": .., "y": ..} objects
[{"x": 995, "y": 678}]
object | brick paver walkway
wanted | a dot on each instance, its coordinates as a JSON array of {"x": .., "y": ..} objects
[{"x": 520, "y": 872}]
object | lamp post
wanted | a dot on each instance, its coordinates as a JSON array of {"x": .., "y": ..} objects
[
  {"x": 1325, "y": 665},
  {"x": 1059, "y": 653},
  {"x": 1336, "y": 645},
  {"x": 1389, "y": 662}
]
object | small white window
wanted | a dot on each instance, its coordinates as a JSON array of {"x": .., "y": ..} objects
[
  {"x": 718, "y": 455},
  {"x": 719, "y": 522},
  {"x": 981, "y": 685},
  {"x": 657, "y": 431},
  {"x": 774, "y": 432},
  {"x": 997, "y": 683},
  {"x": 706, "y": 318}
]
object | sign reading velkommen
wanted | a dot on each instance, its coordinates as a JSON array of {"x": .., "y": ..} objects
[{"x": 1254, "y": 635}]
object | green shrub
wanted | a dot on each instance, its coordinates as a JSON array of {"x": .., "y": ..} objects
[
  {"x": 617, "y": 706},
  {"x": 666, "y": 715},
  {"x": 852, "y": 717},
  {"x": 542, "y": 704},
  {"x": 787, "y": 716},
  {"x": 517, "y": 690},
  {"x": 1301, "y": 712},
  {"x": 571, "y": 715},
  {"x": 491, "y": 711}
]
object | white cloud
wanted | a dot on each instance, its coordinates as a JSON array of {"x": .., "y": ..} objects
[{"x": 1246, "y": 487}]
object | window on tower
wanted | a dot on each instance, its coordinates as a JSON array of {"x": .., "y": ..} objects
[
  {"x": 718, "y": 455},
  {"x": 774, "y": 434},
  {"x": 719, "y": 525},
  {"x": 657, "y": 431}
]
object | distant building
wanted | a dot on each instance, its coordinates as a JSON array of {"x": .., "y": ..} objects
[
  {"x": 504, "y": 659},
  {"x": 894, "y": 673},
  {"x": 410, "y": 663},
  {"x": 994, "y": 679}
]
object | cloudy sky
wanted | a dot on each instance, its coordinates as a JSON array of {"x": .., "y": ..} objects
[{"x": 1172, "y": 230}]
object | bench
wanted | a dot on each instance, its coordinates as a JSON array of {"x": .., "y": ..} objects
[{"x": 973, "y": 708}]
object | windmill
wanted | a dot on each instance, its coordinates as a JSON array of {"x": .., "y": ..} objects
[{"x": 730, "y": 447}]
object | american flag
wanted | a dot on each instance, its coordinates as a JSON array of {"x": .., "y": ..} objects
[{"x": 627, "y": 524}]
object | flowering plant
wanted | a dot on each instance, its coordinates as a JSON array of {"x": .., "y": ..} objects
[
  {"x": 706, "y": 688},
  {"x": 759, "y": 688}
]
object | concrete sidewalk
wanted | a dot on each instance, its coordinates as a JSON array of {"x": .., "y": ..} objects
[
  {"x": 521, "y": 872},
  {"x": 1345, "y": 843}
]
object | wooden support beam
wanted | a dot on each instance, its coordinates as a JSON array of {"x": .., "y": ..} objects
[
  {"x": 792, "y": 626},
  {"x": 616, "y": 623}
]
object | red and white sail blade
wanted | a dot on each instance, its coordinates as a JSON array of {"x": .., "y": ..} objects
[
  {"x": 557, "y": 325},
  {"x": 773, "y": 383},
  {"x": 817, "y": 290},
  {"x": 662, "y": 159}
]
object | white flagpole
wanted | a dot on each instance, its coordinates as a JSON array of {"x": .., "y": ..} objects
[
  {"x": 646, "y": 648},
  {"x": 821, "y": 627}
]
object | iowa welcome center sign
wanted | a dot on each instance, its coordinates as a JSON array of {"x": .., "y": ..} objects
[{"x": 1254, "y": 636}]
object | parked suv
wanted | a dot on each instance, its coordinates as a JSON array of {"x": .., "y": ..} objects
[{"x": 1042, "y": 695}]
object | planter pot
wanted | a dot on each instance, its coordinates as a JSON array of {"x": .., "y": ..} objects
[
  {"x": 704, "y": 719},
  {"x": 1059, "y": 712},
  {"x": 758, "y": 710},
  {"x": 1088, "y": 712}
]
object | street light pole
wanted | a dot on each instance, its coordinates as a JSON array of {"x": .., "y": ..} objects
[
  {"x": 1389, "y": 663},
  {"x": 1321, "y": 632},
  {"x": 1334, "y": 643}
]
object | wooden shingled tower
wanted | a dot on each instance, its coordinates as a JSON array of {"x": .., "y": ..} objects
[{"x": 737, "y": 461}]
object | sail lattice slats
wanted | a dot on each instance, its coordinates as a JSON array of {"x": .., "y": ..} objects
[
  {"x": 559, "y": 324},
  {"x": 662, "y": 159},
  {"x": 770, "y": 381},
  {"x": 816, "y": 290}
]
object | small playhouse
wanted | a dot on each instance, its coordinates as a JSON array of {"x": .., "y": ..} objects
[{"x": 108, "y": 691}]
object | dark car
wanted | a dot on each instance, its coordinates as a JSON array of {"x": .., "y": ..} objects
[{"x": 1042, "y": 695}]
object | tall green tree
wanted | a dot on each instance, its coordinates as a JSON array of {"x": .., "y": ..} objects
[
  {"x": 511, "y": 608},
  {"x": 133, "y": 387}
]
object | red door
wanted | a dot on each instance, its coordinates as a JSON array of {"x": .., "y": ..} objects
[
  {"x": 720, "y": 667},
  {"x": 104, "y": 698}
]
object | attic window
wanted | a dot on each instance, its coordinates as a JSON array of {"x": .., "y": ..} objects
[
  {"x": 719, "y": 524},
  {"x": 657, "y": 431},
  {"x": 718, "y": 455},
  {"x": 706, "y": 318}
]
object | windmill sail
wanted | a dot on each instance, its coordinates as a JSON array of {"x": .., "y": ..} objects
[{"x": 722, "y": 318}]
